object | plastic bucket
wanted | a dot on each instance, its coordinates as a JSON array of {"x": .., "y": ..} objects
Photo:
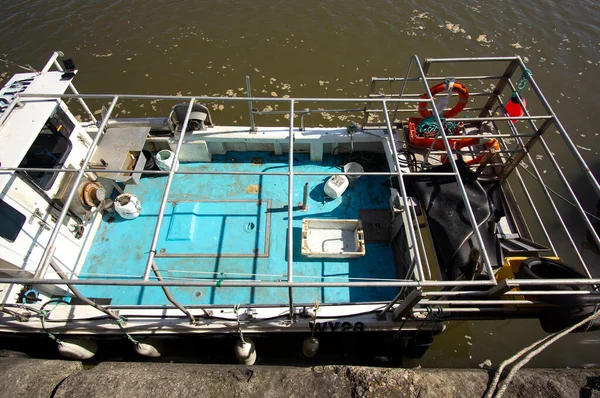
[
  {"x": 335, "y": 186},
  {"x": 128, "y": 206},
  {"x": 353, "y": 167},
  {"x": 165, "y": 160}
]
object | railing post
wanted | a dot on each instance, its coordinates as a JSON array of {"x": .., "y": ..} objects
[
  {"x": 163, "y": 203},
  {"x": 74, "y": 90},
  {"x": 250, "y": 111},
  {"x": 459, "y": 181},
  {"x": 406, "y": 203},
  {"x": 290, "y": 253},
  {"x": 41, "y": 271},
  {"x": 407, "y": 304}
]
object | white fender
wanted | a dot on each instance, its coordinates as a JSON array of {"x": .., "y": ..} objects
[
  {"x": 245, "y": 352},
  {"x": 78, "y": 349},
  {"x": 147, "y": 349}
]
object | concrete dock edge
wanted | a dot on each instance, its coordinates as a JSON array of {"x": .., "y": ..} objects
[{"x": 52, "y": 378}]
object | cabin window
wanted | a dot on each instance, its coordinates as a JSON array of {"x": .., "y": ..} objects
[
  {"x": 12, "y": 221},
  {"x": 49, "y": 150}
]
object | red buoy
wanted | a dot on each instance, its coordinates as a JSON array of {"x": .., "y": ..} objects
[{"x": 513, "y": 108}]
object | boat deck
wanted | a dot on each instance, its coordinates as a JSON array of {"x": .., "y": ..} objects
[{"x": 235, "y": 227}]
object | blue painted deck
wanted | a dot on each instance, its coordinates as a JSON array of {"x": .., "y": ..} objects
[{"x": 244, "y": 218}]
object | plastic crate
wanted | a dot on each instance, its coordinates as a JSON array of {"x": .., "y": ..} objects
[{"x": 332, "y": 238}]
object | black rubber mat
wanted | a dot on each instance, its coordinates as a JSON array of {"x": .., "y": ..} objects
[{"x": 377, "y": 225}]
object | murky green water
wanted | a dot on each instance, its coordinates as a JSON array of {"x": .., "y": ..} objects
[{"x": 328, "y": 48}]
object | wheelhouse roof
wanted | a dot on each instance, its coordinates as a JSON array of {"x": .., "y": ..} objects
[{"x": 23, "y": 123}]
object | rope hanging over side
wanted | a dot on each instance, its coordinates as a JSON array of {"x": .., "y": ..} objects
[
  {"x": 236, "y": 309},
  {"x": 27, "y": 67},
  {"x": 43, "y": 314},
  {"x": 121, "y": 322},
  {"x": 315, "y": 308},
  {"x": 522, "y": 82},
  {"x": 533, "y": 350}
]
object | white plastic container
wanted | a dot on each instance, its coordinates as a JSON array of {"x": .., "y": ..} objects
[
  {"x": 329, "y": 238},
  {"x": 165, "y": 160},
  {"x": 353, "y": 167},
  {"x": 128, "y": 206},
  {"x": 335, "y": 186}
]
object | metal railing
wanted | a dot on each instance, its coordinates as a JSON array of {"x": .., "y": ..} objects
[{"x": 407, "y": 299}]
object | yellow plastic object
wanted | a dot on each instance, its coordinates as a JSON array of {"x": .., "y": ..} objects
[{"x": 509, "y": 270}]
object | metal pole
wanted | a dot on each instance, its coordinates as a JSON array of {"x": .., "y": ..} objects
[
  {"x": 382, "y": 314},
  {"x": 211, "y": 98},
  {"x": 251, "y": 114},
  {"x": 497, "y": 118},
  {"x": 403, "y": 85},
  {"x": 81, "y": 297},
  {"x": 579, "y": 208},
  {"x": 399, "y": 173},
  {"x": 9, "y": 170},
  {"x": 55, "y": 231},
  {"x": 510, "y": 293},
  {"x": 538, "y": 176},
  {"x": 52, "y": 60},
  {"x": 430, "y": 78},
  {"x": 163, "y": 203},
  {"x": 290, "y": 253},
  {"x": 74, "y": 90},
  {"x": 170, "y": 297},
  {"x": 305, "y": 197},
  {"x": 235, "y": 283},
  {"x": 472, "y": 59},
  {"x": 527, "y": 194},
  {"x": 562, "y": 131},
  {"x": 407, "y": 304},
  {"x": 420, "y": 237},
  {"x": 459, "y": 181}
]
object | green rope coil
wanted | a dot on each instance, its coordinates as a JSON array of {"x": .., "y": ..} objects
[
  {"x": 429, "y": 126},
  {"x": 521, "y": 83}
]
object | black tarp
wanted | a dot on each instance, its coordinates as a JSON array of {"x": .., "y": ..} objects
[{"x": 451, "y": 230}]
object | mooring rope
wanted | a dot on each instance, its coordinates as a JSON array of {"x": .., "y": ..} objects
[{"x": 533, "y": 351}]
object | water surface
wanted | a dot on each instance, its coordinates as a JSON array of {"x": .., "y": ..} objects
[{"x": 329, "y": 48}]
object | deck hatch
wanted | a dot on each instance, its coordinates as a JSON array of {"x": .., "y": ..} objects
[{"x": 224, "y": 228}]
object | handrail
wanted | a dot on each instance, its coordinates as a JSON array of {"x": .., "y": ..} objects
[
  {"x": 563, "y": 133},
  {"x": 163, "y": 203},
  {"x": 290, "y": 235},
  {"x": 420, "y": 278},
  {"x": 43, "y": 265},
  {"x": 254, "y": 283},
  {"x": 459, "y": 181},
  {"x": 80, "y": 296},
  {"x": 170, "y": 296},
  {"x": 406, "y": 203},
  {"x": 566, "y": 184}
]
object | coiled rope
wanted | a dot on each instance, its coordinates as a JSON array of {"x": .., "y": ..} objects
[
  {"x": 521, "y": 83},
  {"x": 533, "y": 351},
  {"x": 429, "y": 127}
]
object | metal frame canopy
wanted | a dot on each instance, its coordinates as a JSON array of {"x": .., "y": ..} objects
[{"x": 420, "y": 283}]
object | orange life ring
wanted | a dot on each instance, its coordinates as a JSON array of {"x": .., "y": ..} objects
[{"x": 463, "y": 98}]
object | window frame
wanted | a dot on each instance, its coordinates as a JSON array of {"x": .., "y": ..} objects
[{"x": 59, "y": 124}]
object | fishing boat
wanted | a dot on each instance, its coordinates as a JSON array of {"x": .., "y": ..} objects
[{"x": 431, "y": 202}]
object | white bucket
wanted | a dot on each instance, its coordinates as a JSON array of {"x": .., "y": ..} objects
[
  {"x": 165, "y": 160},
  {"x": 128, "y": 206},
  {"x": 353, "y": 167},
  {"x": 335, "y": 186}
]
